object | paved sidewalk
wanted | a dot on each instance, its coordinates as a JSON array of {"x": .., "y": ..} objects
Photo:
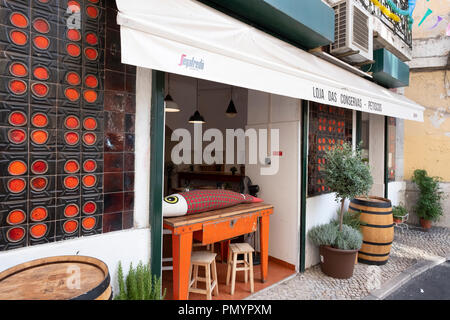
[{"x": 409, "y": 247}]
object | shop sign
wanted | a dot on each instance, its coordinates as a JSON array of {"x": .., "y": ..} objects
[{"x": 346, "y": 100}]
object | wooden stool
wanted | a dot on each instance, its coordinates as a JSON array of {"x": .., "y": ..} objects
[
  {"x": 233, "y": 251},
  {"x": 208, "y": 260}
]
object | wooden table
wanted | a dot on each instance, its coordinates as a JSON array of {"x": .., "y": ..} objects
[{"x": 214, "y": 226}]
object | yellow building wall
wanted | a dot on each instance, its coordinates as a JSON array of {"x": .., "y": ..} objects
[
  {"x": 427, "y": 144},
  {"x": 438, "y": 8}
]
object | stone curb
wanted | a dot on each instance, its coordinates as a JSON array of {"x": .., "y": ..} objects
[{"x": 410, "y": 273}]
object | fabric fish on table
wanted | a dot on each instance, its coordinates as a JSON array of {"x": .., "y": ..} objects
[{"x": 197, "y": 201}]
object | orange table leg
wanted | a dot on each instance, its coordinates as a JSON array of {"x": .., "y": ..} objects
[
  {"x": 181, "y": 251},
  {"x": 264, "y": 245},
  {"x": 224, "y": 250}
]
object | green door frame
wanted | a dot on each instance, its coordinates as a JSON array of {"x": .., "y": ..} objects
[
  {"x": 303, "y": 182},
  {"x": 358, "y": 127},
  {"x": 156, "y": 171},
  {"x": 386, "y": 156}
]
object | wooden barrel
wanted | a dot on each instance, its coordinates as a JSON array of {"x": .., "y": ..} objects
[
  {"x": 57, "y": 278},
  {"x": 377, "y": 227}
]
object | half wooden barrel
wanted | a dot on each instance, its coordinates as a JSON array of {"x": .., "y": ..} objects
[
  {"x": 377, "y": 227},
  {"x": 57, "y": 278}
]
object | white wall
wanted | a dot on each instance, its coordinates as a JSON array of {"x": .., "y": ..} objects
[
  {"x": 396, "y": 192},
  {"x": 376, "y": 154},
  {"x": 282, "y": 189},
  {"x": 319, "y": 210},
  {"x": 142, "y": 147},
  {"x": 126, "y": 246}
]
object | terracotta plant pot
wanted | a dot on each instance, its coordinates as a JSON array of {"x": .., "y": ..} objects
[
  {"x": 426, "y": 224},
  {"x": 337, "y": 263},
  {"x": 397, "y": 220}
]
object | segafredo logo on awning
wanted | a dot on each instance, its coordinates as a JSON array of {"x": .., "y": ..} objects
[{"x": 191, "y": 63}]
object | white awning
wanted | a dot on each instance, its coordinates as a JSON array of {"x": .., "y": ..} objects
[{"x": 189, "y": 38}]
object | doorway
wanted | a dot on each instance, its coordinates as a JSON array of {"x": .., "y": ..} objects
[{"x": 254, "y": 111}]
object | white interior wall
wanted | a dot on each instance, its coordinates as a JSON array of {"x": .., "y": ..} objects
[
  {"x": 282, "y": 189},
  {"x": 213, "y": 100}
]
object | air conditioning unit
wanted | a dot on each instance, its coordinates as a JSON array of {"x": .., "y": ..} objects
[{"x": 353, "y": 33}]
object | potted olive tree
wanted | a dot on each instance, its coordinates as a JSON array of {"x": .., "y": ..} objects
[
  {"x": 348, "y": 176},
  {"x": 428, "y": 206}
]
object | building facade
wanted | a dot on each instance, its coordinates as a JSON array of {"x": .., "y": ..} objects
[{"x": 83, "y": 113}]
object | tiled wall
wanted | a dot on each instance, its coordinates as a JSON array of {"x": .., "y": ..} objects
[
  {"x": 120, "y": 108},
  {"x": 66, "y": 122},
  {"x": 328, "y": 126}
]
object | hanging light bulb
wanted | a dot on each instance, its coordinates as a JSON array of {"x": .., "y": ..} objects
[
  {"x": 169, "y": 104},
  {"x": 197, "y": 117},
  {"x": 231, "y": 110}
]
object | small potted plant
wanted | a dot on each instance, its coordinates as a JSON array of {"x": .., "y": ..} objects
[
  {"x": 399, "y": 213},
  {"x": 347, "y": 175},
  {"x": 428, "y": 206}
]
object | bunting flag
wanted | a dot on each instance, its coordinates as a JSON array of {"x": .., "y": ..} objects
[
  {"x": 386, "y": 11},
  {"x": 411, "y": 6},
  {"x": 429, "y": 11},
  {"x": 397, "y": 10},
  {"x": 439, "y": 19}
]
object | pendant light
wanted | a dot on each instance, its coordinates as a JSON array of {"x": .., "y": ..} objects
[
  {"x": 196, "y": 117},
  {"x": 169, "y": 104},
  {"x": 231, "y": 110}
]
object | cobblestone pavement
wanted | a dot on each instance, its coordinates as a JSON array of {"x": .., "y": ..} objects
[{"x": 409, "y": 246}]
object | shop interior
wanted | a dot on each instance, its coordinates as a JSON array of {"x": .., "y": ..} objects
[{"x": 218, "y": 106}]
